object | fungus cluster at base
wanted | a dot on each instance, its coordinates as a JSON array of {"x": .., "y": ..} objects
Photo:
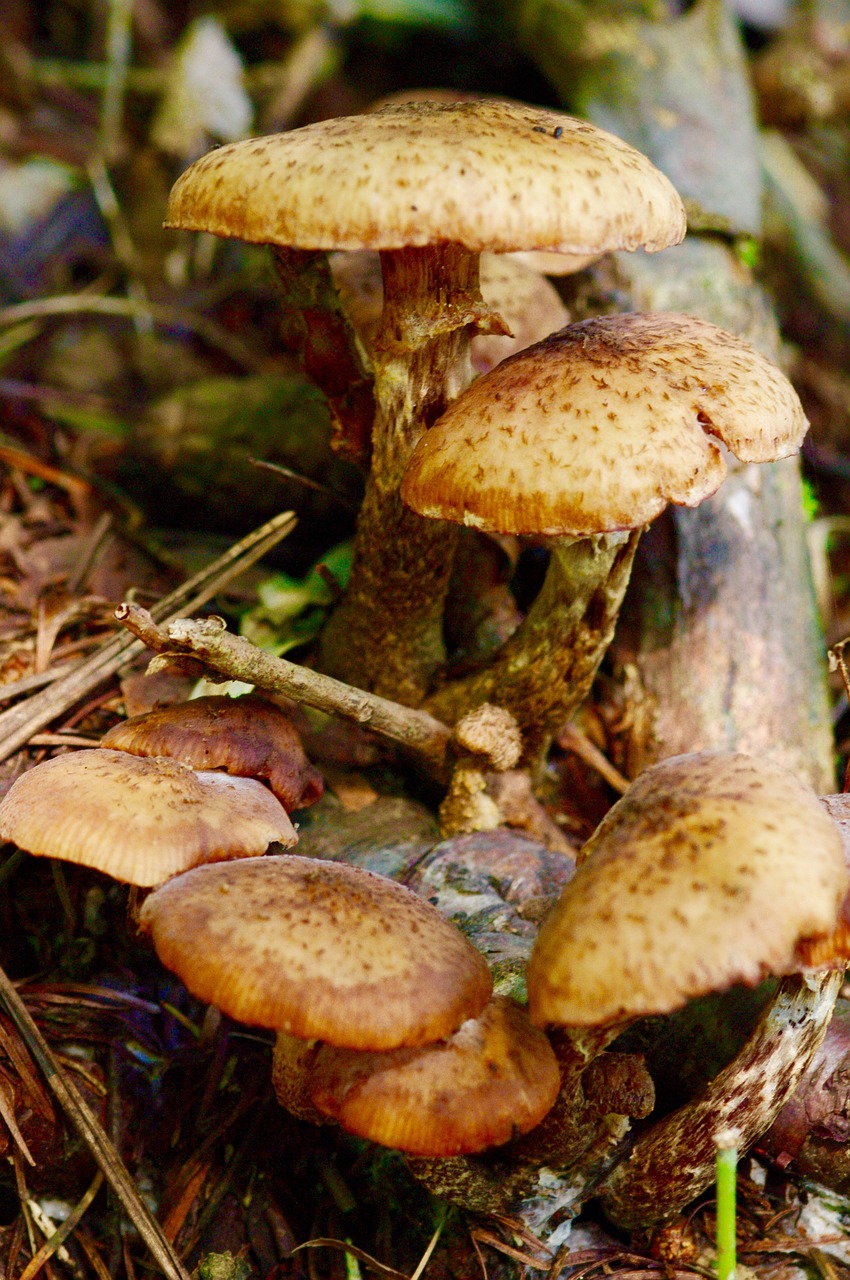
[{"x": 412, "y": 1051}]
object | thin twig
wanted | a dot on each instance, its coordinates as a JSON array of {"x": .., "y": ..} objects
[
  {"x": 130, "y": 308},
  {"x": 236, "y": 658},
  {"x": 20, "y": 722},
  {"x": 60, "y": 1235},
  {"x": 92, "y": 1134}
]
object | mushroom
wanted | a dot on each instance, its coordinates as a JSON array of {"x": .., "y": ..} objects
[
  {"x": 430, "y": 186},
  {"x": 582, "y": 439},
  {"x": 138, "y": 819},
  {"x": 494, "y": 1079},
  {"x": 708, "y": 872},
  {"x": 318, "y": 950},
  {"x": 245, "y": 736}
]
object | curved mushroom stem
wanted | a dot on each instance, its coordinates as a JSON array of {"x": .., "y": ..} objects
[
  {"x": 386, "y": 634},
  {"x": 674, "y": 1160},
  {"x": 544, "y": 671}
]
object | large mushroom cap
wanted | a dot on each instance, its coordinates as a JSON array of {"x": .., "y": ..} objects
[
  {"x": 248, "y": 737},
  {"x": 493, "y": 1080},
  {"x": 601, "y": 425},
  {"x": 139, "y": 820},
  {"x": 706, "y": 873},
  {"x": 488, "y": 175},
  {"x": 320, "y": 950}
]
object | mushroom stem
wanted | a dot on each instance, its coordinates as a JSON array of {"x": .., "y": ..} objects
[
  {"x": 544, "y": 671},
  {"x": 674, "y": 1160},
  {"x": 386, "y": 634},
  {"x": 569, "y": 1129}
]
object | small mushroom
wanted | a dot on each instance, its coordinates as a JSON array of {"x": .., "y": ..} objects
[
  {"x": 582, "y": 439},
  {"x": 530, "y": 306},
  {"x": 138, "y": 819},
  {"x": 319, "y": 950},
  {"x": 246, "y": 736},
  {"x": 494, "y": 1079},
  {"x": 430, "y": 186}
]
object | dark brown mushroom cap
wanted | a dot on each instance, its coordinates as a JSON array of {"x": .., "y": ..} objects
[
  {"x": 321, "y": 950},
  {"x": 493, "y": 1080},
  {"x": 600, "y": 426},
  {"x": 139, "y": 820},
  {"x": 706, "y": 873},
  {"x": 247, "y": 736},
  {"x": 488, "y": 175}
]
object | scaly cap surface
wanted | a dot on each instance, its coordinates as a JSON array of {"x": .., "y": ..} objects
[
  {"x": 488, "y": 175},
  {"x": 139, "y": 820},
  {"x": 320, "y": 950},
  {"x": 706, "y": 873},
  {"x": 601, "y": 425}
]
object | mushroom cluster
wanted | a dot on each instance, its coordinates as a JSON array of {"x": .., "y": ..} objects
[
  {"x": 714, "y": 869},
  {"x": 430, "y": 186},
  {"x": 166, "y": 791},
  {"x": 382, "y": 1008}
]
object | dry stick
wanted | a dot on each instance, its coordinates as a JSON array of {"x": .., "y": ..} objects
[
  {"x": 19, "y": 723},
  {"x": 92, "y": 1134},
  {"x": 237, "y": 659}
]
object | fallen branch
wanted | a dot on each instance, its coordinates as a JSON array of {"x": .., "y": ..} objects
[{"x": 237, "y": 659}]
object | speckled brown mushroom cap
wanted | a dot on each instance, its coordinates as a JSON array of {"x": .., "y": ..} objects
[
  {"x": 488, "y": 175},
  {"x": 248, "y": 737},
  {"x": 601, "y": 425},
  {"x": 706, "y": 873},
  {"x": 530, "y": 306},
  {"x": 321, "y": 950},
  {"x": 139, "y": 820},
  {"x": 493, "y": 1080}
]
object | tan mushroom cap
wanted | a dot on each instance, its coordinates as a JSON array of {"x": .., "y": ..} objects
[
  {"x": 139, "y": 820},
  {"x": 248, "y": 737},
  {"x": 601, "y": 425},
  {"x": 488, "y": 175},
  {"x": 706, "y": 873},
  {"x": 321, "y": 950},
  {"x": 530, "y": 306},
  {"x": 493, "y": 1080}
]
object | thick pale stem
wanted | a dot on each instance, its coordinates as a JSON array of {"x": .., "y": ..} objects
[
  {"x": 544, "y": 671},
  {"x": 675, "y": 1159},
  {"x": 386, "y": 634}
]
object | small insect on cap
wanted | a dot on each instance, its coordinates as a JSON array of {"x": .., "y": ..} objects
[{"x": 489, "y": 174}]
